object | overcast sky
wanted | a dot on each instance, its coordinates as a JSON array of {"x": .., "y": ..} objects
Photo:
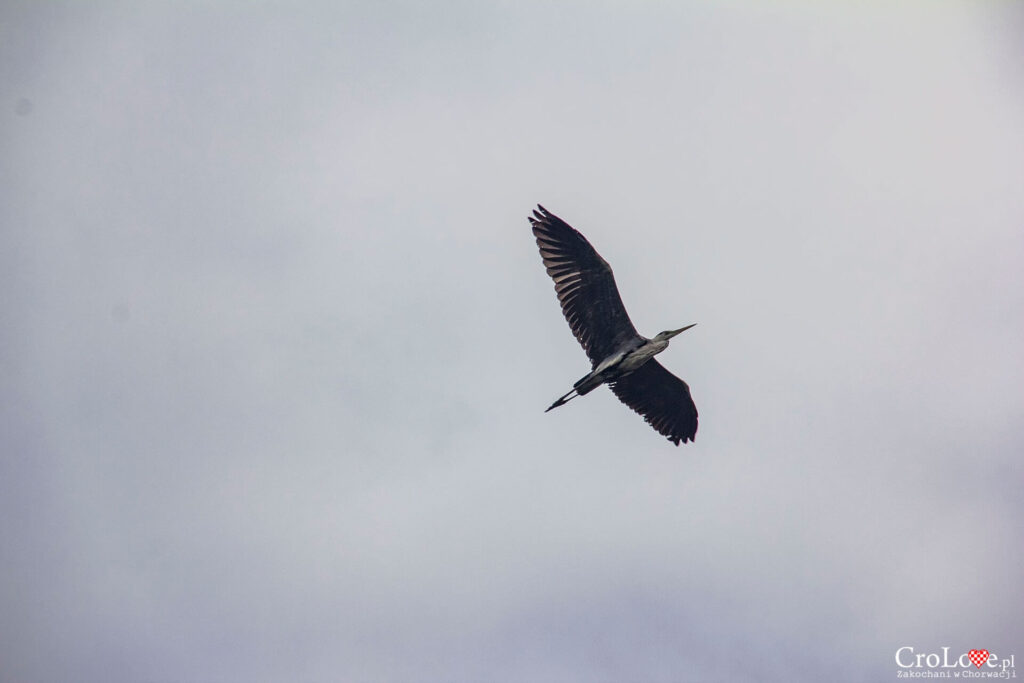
[{"x": 276, "y": 340}]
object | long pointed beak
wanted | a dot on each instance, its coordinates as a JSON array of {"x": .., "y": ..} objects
[{"x": 681, "y": 329}]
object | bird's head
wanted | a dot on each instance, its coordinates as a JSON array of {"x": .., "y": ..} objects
[{"x": 668, "y": 334}]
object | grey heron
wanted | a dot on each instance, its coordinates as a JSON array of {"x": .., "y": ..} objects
[{"x": 620, "y": 357}]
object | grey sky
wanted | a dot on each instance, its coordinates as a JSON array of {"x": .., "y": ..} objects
[{"x": 276, "y": 340}]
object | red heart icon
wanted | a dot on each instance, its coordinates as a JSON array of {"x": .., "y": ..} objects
[{"x": 978, "y": 657}]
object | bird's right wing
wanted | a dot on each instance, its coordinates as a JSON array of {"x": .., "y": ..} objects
[
  {"x": 661, "y": 398},
  {"x": 585, "y": 287}
]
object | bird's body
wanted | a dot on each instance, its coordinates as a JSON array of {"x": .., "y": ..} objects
[
  {"x": 619, "y": 355},
  {"x": 622, "y": 362}
]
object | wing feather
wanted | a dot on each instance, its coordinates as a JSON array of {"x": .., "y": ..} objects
[
  {"x": 585, "y": 287},
  {"x": 661, "y": 398}
]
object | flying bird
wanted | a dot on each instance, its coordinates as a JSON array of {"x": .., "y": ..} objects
[{"x": 620, "y": 357}]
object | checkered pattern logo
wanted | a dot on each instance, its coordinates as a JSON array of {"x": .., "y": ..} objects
[{"x": 978, "y": 657}]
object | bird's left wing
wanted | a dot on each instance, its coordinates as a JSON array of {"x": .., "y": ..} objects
[
  {"x": 585, "y": 287},
  {"x": 661, "y": 398}
]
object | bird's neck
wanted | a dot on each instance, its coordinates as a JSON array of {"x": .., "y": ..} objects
[{"x": 656, "y": 345}]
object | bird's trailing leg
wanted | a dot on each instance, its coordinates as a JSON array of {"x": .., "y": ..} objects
[
  {"x": 563, "y": 399},
  {"x": 584, "y": 385}
]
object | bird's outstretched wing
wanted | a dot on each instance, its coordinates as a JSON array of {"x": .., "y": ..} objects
[
  {"x": 662, "y": 398},
  {"x": 585, "y": 287}
]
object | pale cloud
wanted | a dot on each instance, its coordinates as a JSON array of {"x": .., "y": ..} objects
[{"x": 277, "y": 340}]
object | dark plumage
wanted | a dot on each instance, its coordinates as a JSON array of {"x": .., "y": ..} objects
[{"x": 619, "y": 355}]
